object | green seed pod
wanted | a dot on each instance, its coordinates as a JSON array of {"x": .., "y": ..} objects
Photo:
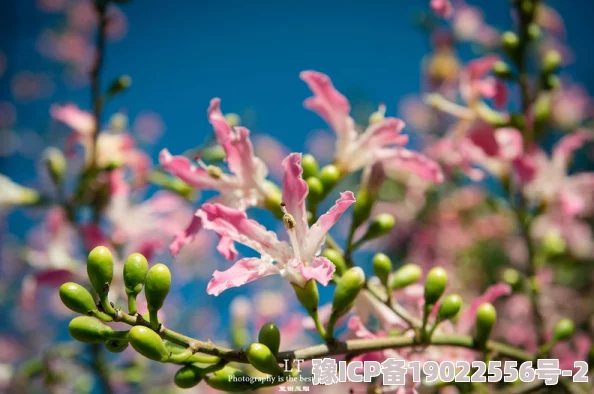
[
  {"x": 100, "y": 270},
  {"x": 486, "y": 316},
  {"x": 336, "y": 258},
  {"x": 148, "y": 343},
  {"x": 157, "y": 284},
  {"x": 316, "y": 189},
  {"x": 382, "y": 266},
  {"x": 450, "y": 306},
  {"x": 229, "y": 379},
  {"x": 188, "y": 376},
  {"x": 510, "y": 40},
  {"x": 88, "y": 329},
  {"x": 308, "y": 295},
  {"x": 309, "y": 165},
  {"x": 406, "y": 276},
  {"x": 261, "y": 358},
  {"x": 347, "y": 289},
  {"x": 380, "y": 225},
  {"x": 362, "y": 207},
  {"x": 135, "y": 270},
  {"x": 435, "y": 285},
  {"x": 116, "y": 345},
  {"x": 269, "y": 335},
  {"x": 77, "y": 298},
  {"x": 329, "y": 175},
  {"x": 563, "y": 330},
  {"x": 502, "y": 70}
]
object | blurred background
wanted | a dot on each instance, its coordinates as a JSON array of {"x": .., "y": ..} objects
[{"x": 180, "y": 54}]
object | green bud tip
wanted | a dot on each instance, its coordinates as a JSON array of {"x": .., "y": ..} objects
[
  {"x": 450, "y": 306},
  {"x": 309, "y": 165},
  {"x": 362, "y": 208},
  {"x": 552, "y": 61},
  {"x": 406, "y": 276},
  {"x": 534, "y": 31},
  {"x": 381, "y": 225},
  {"x": 336, "y": 258},
  {"x": 100, "y": 269},
  {"x": 261, "y": 358},
  {"x": 77, "y": 298},
  {"x": 269, "y": 335},
  {"x": 187, "y": 377},
  {"x": 501, "y": 69},
  {"x": 564, "y": 330},
  {"x": 382, "y": 266},
  {"x": 56, "y": 163},
  {"x": 135, "y": 270},
  {"x": 308, "y": 295},
  {"x": 329, "y": 176},
  {"x": 116, "y": 345},
  {"x": 316, "y": 189},
  {"x": 510, "y": 40},
  {"x": 157, "y": 284},
  {"x": 347, "y": 289},
  {"x": 486, "y": 316},
  {"x": 88, "y": 329},
  {"x": 148, "y": 343},
  {"x": 512, "y": 277},
  {"x": 435, "y": 285}
]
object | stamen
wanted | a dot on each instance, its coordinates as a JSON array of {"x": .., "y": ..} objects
[
  {"x": 378, "y": 115},
  {"x": 213, "y": 171},
  {"x": 290, "y": 223}
]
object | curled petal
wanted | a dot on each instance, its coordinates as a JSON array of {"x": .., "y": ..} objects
[
  {"x": 442, "y": 8},
  {"x": 235, "y": 225},
  {"x": 221, "y": 128},
  {"x": 382, "y": 134},
  {"x": 401, "y": 159},
  {"x": 317, "y": 233},
  {"x": 241, "y": 159},
  {"x": 564, "y": 149},
  {"x": 320, "y": 268},
  {"x": 182, "y": 167},
  {"x": 295, "y": 191},
  {"x": 75, "y": 118},
  {"x": 493, "y": 293},
  {"x": 185, "y": 237},
  {"x": 226, "y": 248},
  {"x": 242, "y": 272}
]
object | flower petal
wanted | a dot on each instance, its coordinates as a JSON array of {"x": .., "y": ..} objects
[
  {"x": 564, "y": 149},
  {"x": 442, "y": 8},
  {"x": 317, "y": 233},
  {"x": 234, "y": 224},
  {"x": 185, "y": 237},
  {"x": 182, "y": 167},
  {"x": 402, "y": 159},
  {"x": 75, "y": 118},
  {"x": 490, "y": 295},
  {"x": 320, "y": 268},
  {"x": 295, "y": 191},
  {"x": 243, "y": 271},
  {"x": 241, "y": 160},
  {"x": 226, "y": 248},
  {"x": 221, "y": 128}
]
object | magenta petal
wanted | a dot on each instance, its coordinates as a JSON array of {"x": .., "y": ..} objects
[
  {"x": 221, "y": 128},
  {"x": 295, "y": 191},
  {"x": 382, "y": 134},
  {"x": 242, "y": 272},
  {"x": 75, "y": 118},
  {"x": 241, "y": 159},
  {"x": 185, "y": 237},
  {"x": 442, "y": 8},
  {"x": 182, "y": 167},
  {"x": 317, "y": 233},
  {"x": 402, "y": 159},
  {"x": 226, "y": 248},
  {"x": 320, "y": 268}
]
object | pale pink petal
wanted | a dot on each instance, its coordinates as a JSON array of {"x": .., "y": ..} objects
[
  {"x": 328, "y": 102},
  {"x": 234, "y": 224},
  {"x": 478, "y": 68},
  {"x": 572, "y": 204},
  {"x": 382, "y": 134},
  {"x": 401, "y": 159},
  {"x": 564, "y": 149},
  {"x": 222, "y": 129},
  {"x": 185, "y": 237},
  {"x": 243, "y": 271},
  {"x": 357, "y": 327},
  {"x": 73, "y": 117},
  {"x": 319, "y": 268},
  {"x": 182, "y": 167},
  {"x": 317, "y": 233},
  {"x": 490, "y": 295},
  {"x": 442, "y": 8},
  {"x": 295, "y": 191},
  {"x": 226, "y": 248},
  {"x": 241, "y": 159}
]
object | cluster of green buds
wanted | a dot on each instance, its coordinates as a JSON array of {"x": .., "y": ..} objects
[{"x": 320, "y": 181}]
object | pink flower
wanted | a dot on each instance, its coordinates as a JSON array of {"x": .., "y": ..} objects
[
  {"x": 442, "y": 8},
  {"x": 245, "y": 186},
  {"x": 476, "y": 84},
  {"x": 381, "y": 141},
  {"x": 298, "y": 260}
]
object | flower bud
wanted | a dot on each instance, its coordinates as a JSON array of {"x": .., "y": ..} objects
[
  {"x": 512, "y": 278},
  {"x": 229, "y": 379},
  {"x": 233, "y": 119},
  {"x": 119, "y": 85},
  {"x": 116, "y": 345},
  {"x": 274, "y": 198},
  {"x": 551, "y": 62},
  {"x": 551, "y": 82},
  {"x": 308, "y": 295},
  {"x": 510, "y": 40},
  {"x": 542, "y": 108},
  {"x": 262, "y": 359},
  {"x": 329, "y": 175},
  {"x": 563, "y": 330},
  {"x": 100, "y": 270},
  {"x": 88, "y": 329},
  {"x": 77, "y": 298},
  {"x": 534, "y": 31},
  {"x": 486, "y": 316},
  {"x": 450, "y": 306},
  {"x": 435, "y": 285},
  {"x": 337, "y": 259},
  {"x": 148, "y": 343},
  {"x": 553, "y": 244},
  {"x": 406, "y": 276},
  {"x": 382, "y": 266},
  {"x": 362, "y": 207},
  {"x": 381, "y": 225},
  {"x": 157, "y": 284},
  {"x": 135, "y": 270},
  {"x": 347, "y": 289},
  {"x": 188, "y": 376},
  {"x": 502, "y": 70},
  {"x": 269, "y": 335},
  {"x": 310, "y": 166},
  {"x": 316, "y": 189},
  {"x": 56, "y": 164}
]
